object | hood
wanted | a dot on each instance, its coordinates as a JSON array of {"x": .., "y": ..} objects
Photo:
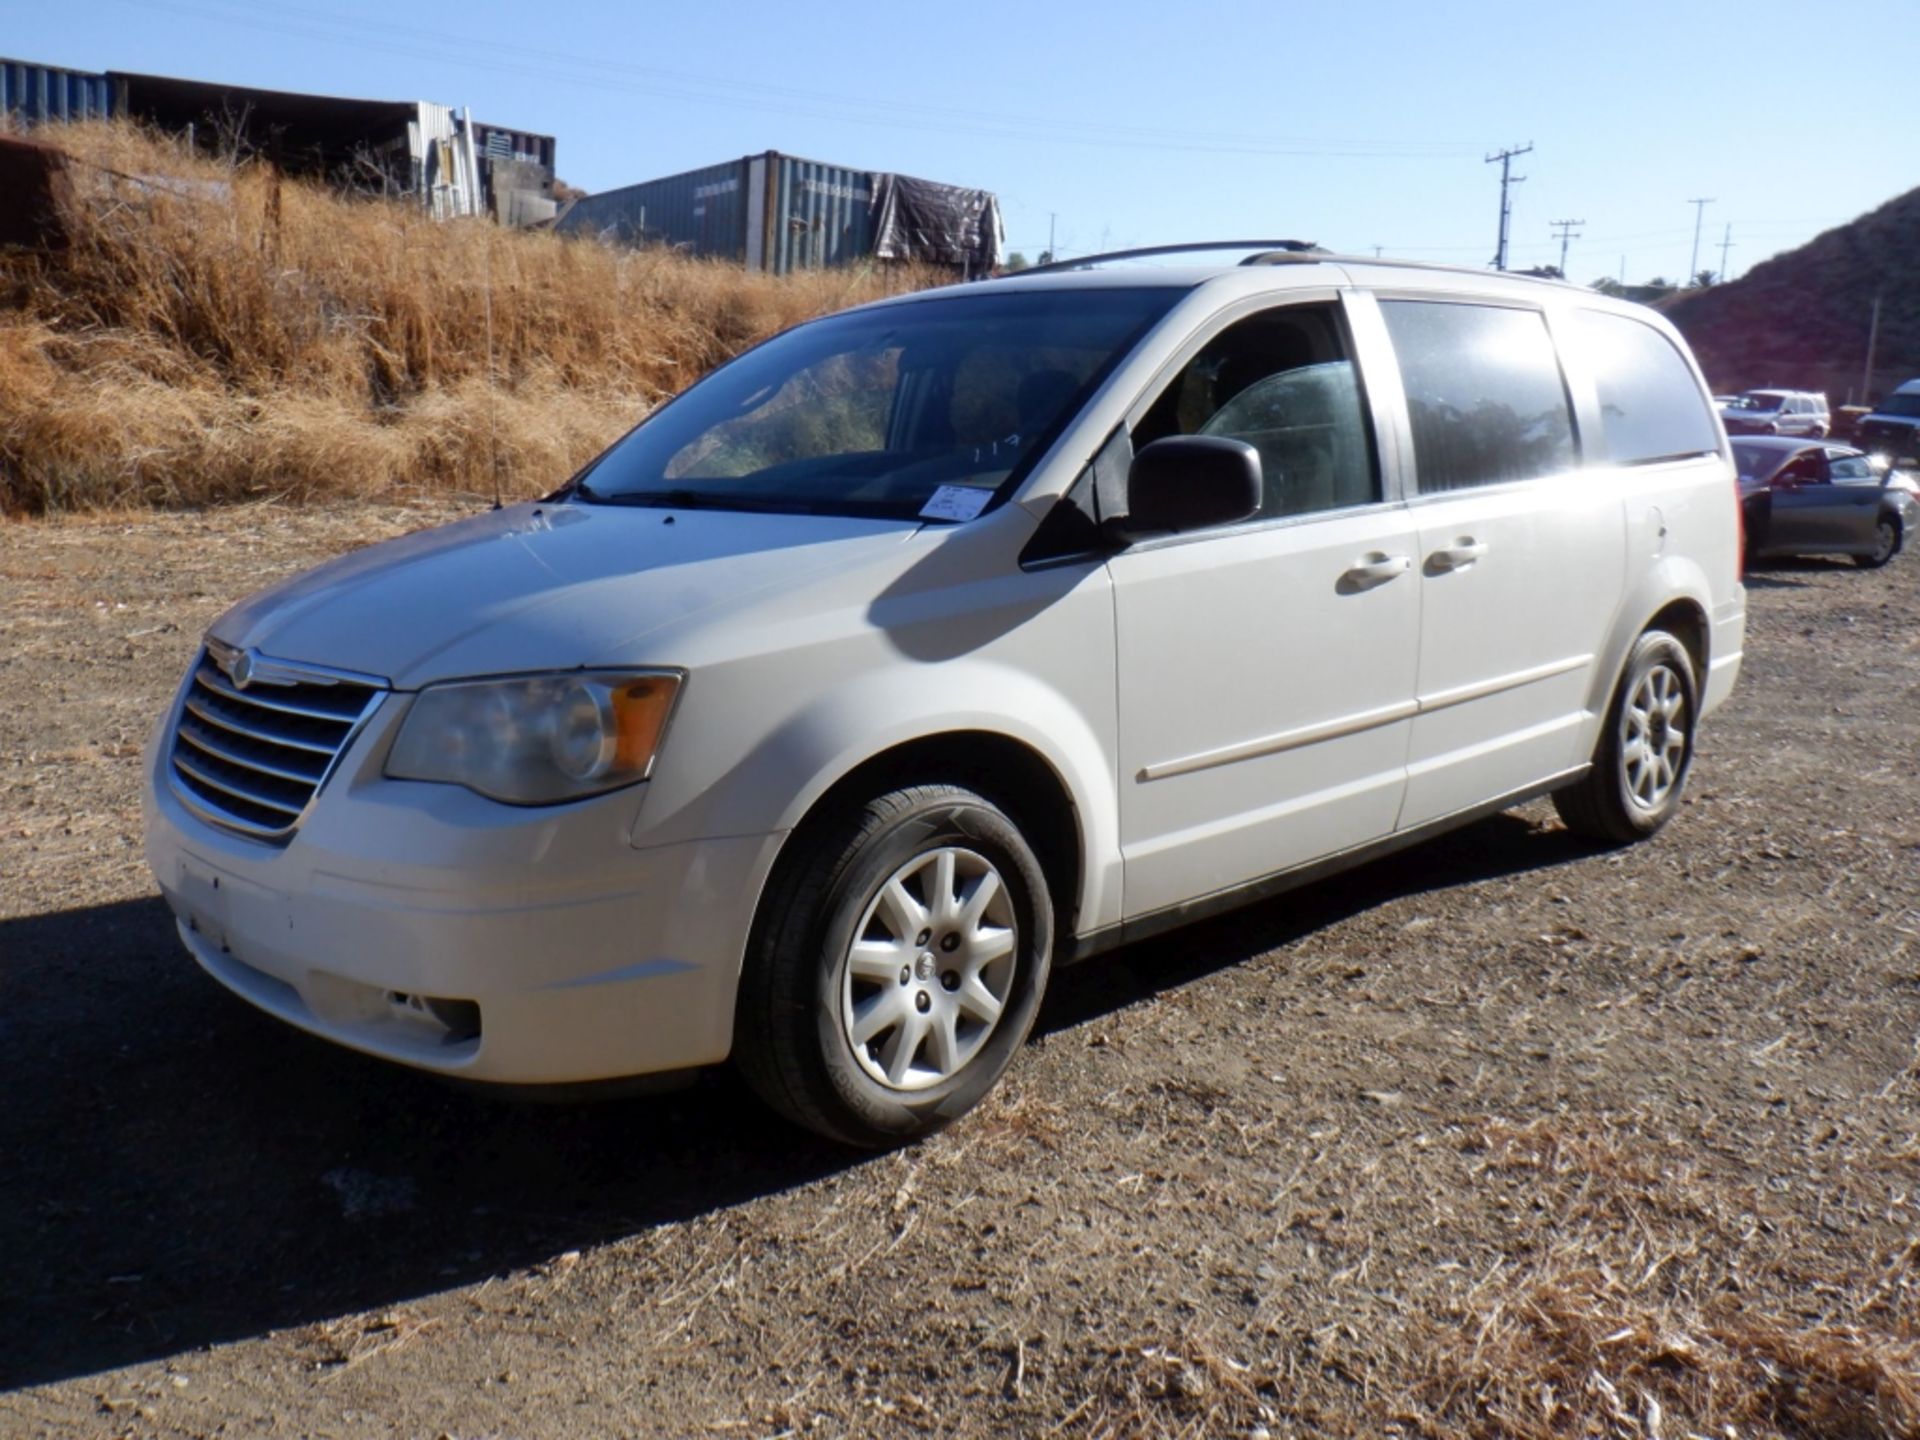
[{"x": 541, "y": 586}]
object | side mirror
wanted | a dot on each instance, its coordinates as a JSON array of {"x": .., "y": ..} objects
[{"x": 1189, "y": 482}]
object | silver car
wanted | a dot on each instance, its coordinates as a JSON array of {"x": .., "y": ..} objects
[
  {"x": 1778, "y": 412},
  {"x": 1801, "y": 498}
]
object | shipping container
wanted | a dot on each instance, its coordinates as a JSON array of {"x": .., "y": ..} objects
[
  {"x": 698, "y": 210},
  {"x": 770, "y": 212},
  {"x": 37, "y": 94},
  {"x": 819, "y": 215}
]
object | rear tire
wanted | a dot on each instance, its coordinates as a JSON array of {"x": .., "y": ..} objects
[
  {"x": 1645, "y": 752},
  {"x": 897, "y": 965},
  {"x": 1885, "y": 544}
]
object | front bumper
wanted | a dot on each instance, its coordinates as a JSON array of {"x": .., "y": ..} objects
[{"x": 587, "y": 954}]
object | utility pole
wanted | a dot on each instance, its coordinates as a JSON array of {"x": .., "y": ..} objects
[
  {"x": 1565, "y": 227},
  {"x": 1051, "y": 217},
  {"x": 1699, "y": 213},
  {"x": 1507, "y": 179},
  {"x": 1726, "y": 244}
]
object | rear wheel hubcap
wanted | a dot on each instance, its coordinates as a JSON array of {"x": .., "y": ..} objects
[{"x": 1653, "y": 736}]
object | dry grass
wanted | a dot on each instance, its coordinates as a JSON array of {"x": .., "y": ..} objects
[
  {"x": 1649, "y": 1297},
  {"x": 229, "y": 334}
]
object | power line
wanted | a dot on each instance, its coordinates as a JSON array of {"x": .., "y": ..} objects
[
  {"x": 1507, "y": 180},
  {"x": 413, "y": 42}
]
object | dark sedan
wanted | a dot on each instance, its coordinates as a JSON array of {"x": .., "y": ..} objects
[{"x": 1809, "y": 497}]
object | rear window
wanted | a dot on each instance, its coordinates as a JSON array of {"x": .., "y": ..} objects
[
  {"x": 1484, "y": 393},
  {"x": 1651, "y": 407}
]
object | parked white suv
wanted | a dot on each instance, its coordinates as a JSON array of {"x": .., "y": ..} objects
[
  {"x": 937, "y": 642},
  {"x": 1778, "y": 412}
]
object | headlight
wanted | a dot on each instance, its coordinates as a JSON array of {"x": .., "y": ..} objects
[{"x": 539, "y": 739}]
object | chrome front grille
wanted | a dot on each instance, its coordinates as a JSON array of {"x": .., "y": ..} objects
[{"x": 256, "y": 738}]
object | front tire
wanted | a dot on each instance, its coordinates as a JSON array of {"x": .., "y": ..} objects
[
  {"x": 1646, "y": 748},
  {"x": 897, "y": 966},
  {"x": 1886, "y": 541}
]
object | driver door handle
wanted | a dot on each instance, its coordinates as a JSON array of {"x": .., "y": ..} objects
[
  {"x": 1456, "y": 557},
  {"x": 1376, "y": 569}
]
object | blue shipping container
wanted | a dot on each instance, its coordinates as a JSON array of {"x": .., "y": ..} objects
[
  {"x": 36, "y": 94},
  {"x": 698, "y": 210}
]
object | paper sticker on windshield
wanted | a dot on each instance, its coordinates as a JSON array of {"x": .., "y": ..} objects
[{"x": 956, "y": 502}]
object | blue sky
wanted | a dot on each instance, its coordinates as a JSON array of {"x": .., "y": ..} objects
[{"x": 1358, "y": 125}]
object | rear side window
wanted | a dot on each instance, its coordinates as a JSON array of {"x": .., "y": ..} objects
[
  {"x": 1651, "y": 407},
  {"x": 1484, "y": 393}
]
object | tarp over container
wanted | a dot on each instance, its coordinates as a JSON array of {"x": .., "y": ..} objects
[{"x": 944, "y": 224}]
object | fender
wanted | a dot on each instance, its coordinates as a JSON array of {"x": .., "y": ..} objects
[
  {"x": 840, "y": 729},
  {"x": 1670, "y": 579}
]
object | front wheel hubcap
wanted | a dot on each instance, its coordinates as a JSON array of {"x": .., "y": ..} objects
[
  {"x": 1653, "y": 736},
  {"x": 909, "y": 1038}
]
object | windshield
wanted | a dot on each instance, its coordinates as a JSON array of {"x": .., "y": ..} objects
[
  {"x": 937, "y": 406},
  {"x": 1906, "y": 403},
  {"x": 1755, "y": 464},
  {"x": 1756, "y": 400}
]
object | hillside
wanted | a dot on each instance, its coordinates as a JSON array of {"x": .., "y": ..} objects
[
  {"x": 204, "y": 331},
  {"x": 1800, "y": 319}
]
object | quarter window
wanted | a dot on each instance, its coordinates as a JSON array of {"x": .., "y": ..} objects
[
  {"x": 1484, "y": 393},
  {"x": 1651, "y": 407},
  {"x": 1284, "y": 382}
]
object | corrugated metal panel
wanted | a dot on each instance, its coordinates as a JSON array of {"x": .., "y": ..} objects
[
  {"x": 819, "y": 214},
  {"x": 34, "y": 94},
  {"x": 703, "y": 211},
  {"x": 443, "y": 162}
]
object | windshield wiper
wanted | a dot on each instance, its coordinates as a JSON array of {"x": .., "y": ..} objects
[{"x": 688, "y": 499}]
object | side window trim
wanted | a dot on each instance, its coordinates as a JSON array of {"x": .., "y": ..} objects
[{"x": 1385, "y": 394}]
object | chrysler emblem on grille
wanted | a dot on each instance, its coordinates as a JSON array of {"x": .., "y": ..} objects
[{"x": 241, "y": 670}]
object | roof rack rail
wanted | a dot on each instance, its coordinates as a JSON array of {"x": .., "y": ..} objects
[{"x": 1269, "y": 252}]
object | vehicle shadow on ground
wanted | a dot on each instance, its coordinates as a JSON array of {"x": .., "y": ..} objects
[
  {"x": 1772, "y": 573},
  {"x": 1506, "y": 844},
  {"x": 184, "y": 1171}
]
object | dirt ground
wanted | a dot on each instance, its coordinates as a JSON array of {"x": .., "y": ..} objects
[{"x": 1504, "y": 1136}]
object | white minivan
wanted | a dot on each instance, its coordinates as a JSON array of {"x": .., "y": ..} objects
[{"x": 937, "y": 642}]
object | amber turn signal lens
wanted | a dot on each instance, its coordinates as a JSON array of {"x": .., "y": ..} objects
[{"x": 640, "y": 710}]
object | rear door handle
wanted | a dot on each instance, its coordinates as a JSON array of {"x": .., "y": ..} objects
[
  {"x": 1375, "y": 569},
  {"x": 1456, "y": 557}
]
